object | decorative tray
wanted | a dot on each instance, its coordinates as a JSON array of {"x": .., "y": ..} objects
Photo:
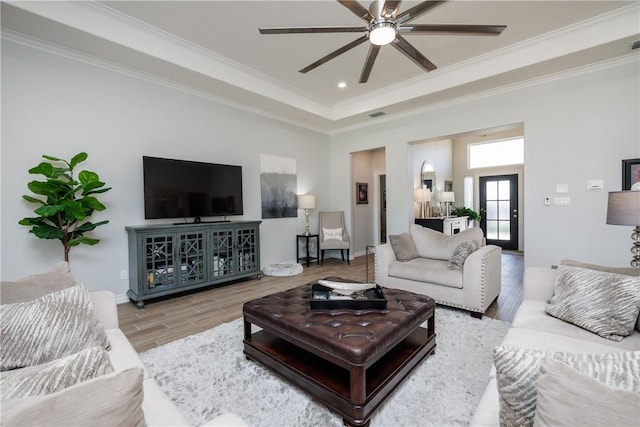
[{"x": 326, "y": 298}]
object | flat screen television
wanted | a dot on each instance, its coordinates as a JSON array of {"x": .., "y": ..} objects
[{"x": 183, "y": 189}]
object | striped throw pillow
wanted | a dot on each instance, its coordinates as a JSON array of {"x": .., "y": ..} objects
[
  {"x": 601, "y": 302},
  {"x": 48, "y": 328},
  {"x": 517, "y": 376},
  {"x": 55, "y": 375}
]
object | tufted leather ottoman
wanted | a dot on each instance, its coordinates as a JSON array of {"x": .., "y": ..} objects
[{"x": 350, "y": 360}]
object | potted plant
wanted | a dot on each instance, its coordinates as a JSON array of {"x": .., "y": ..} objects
[
  {"x": 66, "y": 202},
  {"x": 464, "y": 211}
]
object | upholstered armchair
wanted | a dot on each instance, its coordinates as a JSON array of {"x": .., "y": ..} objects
[{"x": 333, "y": 234}]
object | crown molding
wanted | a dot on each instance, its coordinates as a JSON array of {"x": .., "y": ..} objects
[
  {"x": 596, "y": 31},
  {"x": 103, "y": 22},
  {"x": 549, "y": 78}
]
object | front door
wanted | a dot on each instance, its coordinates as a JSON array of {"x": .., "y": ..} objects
[{"x": 499, "y": 210}]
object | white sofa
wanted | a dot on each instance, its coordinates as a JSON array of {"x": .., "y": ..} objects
[
  {"x": 533, "y": 328},
  {"x": 157, "y": 408},
  {"x": 472, "y": 288}
]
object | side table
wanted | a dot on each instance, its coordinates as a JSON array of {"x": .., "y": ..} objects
[{"x": 308, "y": 240}]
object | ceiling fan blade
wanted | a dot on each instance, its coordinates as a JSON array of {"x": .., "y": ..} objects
[
  {"x": 333, "y": 54},
  {"x": 412, "y": 53},
  {"x": 359, "y": 10},
  {"x": 418, "y": 10},
  {"x": 297, "y": 30},
  {"x": 390, "y": 8},
  {"x": 454, "y": 29},
  {"x": 368, "y": 64}
]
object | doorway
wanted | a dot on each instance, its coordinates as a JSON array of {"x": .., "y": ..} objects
[{"x": 499, "y": 210}]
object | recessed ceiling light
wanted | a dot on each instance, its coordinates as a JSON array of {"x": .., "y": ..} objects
[{"x": 342, "y": 85}]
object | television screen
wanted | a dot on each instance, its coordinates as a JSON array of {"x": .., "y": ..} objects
[{"x": 181, "y": 189}]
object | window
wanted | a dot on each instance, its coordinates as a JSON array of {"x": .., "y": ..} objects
[{"x": 496, "y": 153}]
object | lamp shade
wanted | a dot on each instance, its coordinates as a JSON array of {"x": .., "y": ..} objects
[
  {"x": 623, "y": 208},
  {"x": 306, "y": 201},
  {"x": 447, "y": 196},
  {"x": 422, "y": 195}
]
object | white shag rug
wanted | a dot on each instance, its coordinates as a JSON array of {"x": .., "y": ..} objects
[
  {"x": 207, "y": 374},
  {"x": 282, "y": 270}
]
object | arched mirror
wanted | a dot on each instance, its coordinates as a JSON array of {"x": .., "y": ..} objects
[{"x": 428, "y": 175}]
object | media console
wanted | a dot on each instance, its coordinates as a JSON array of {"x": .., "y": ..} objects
[{"x": 167, "y": 259}]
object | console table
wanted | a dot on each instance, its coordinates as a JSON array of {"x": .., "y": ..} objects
[
  {"x": 166, "y": 259},
  {"x": 448, "y": 225}
]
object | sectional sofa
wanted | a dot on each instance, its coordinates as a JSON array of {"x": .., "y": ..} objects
[
  {"x": 535, "y": 335},
  {"x": 88, "y": 387}
]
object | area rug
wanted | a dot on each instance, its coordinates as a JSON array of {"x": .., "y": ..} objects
[{"x": 207, "y": 374}]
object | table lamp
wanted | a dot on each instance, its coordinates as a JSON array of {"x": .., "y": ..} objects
[
  {"x": 623, "y": 208},
  {"x": 306, "y": 202},
  {"x": 423, "y": 196},
  {"x": 447, "y": 197}
]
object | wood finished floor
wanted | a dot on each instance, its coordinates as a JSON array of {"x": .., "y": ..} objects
[{"x": 163, "y": 321}]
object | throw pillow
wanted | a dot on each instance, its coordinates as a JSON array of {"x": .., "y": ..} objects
[
  {"x": 517, "y": 376},
  {"x": 34, "y": 286},
  {"x": 332, "y": 233},
  {"x": 403, "y": 247},
  {"x": 109, "y": 400},
  {"x": 604, "y": 303},
  {"x": 460, "y": 254},
  {"x": 56, "y": 375},
  {"x": 47, "y": 328},
  {"x": 568, "y": 398},
  {"x": 627, "y": 271}
]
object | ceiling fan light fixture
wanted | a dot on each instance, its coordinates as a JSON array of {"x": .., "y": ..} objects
[{"x": 382, "y": 33}]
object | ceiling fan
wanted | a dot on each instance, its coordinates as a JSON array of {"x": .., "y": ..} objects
[{"x": 384, "y": 25}]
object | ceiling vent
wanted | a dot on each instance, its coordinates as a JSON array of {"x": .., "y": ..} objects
[
  {"x": 635, "y": 45},
  {"x": 377, "y": 114}
]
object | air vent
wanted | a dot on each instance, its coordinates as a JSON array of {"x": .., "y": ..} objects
[
  {"x": 377, "y": 114},
  {"x": 635, "y": 45}
]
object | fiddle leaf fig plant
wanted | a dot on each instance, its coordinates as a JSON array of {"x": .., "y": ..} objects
[{"x": 65, "y": 203}]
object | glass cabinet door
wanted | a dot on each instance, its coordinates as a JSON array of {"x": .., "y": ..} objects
[{"x": 159, "y": 261}]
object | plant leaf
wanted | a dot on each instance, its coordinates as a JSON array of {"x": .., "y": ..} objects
[
  {"x": 55, "y": 159},
  {"x": 32, "y": 199},
  {"x": 47, "y": 232},
  {"x": 49, "y": 210},
  {"x": 78, "y": 158},
  {"x": 82, "y": 239},
  {"x": 92, "y": 203},
  {"x": 43, "y": 168}
]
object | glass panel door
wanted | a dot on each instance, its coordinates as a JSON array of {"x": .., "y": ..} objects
[{"x": 499, "y": 210}]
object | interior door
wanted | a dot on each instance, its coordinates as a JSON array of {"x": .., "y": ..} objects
[{"x": 499, "y": 210}]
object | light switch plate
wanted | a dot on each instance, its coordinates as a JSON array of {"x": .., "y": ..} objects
[
  {"x": 562, "y": 188},
  {"x": 595, "y": 184}
]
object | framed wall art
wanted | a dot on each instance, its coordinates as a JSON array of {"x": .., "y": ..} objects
[
  {"x": 630, "y": 173},
  {"x": 362, "y": 193}
]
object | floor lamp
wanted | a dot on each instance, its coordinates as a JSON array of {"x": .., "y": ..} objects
[
  {"x": 623, "y": 208},
  {"x": 306, "y": 202}
]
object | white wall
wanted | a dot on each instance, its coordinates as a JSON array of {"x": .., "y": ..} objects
[
  {"x": 577, "y": 128},
  {"x": 362, "y": 232},
  {"x": 57, "y": 106}
]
